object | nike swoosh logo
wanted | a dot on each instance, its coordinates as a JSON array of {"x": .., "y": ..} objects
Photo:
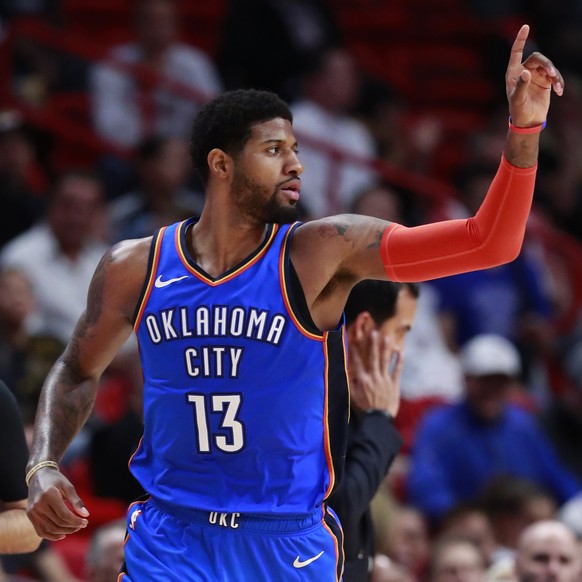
[
  {"x": 160, "y": 284},
  {"x": 299, "y": 564}
]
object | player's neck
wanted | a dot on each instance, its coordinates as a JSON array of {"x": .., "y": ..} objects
[{"x": 218, "y": 243}]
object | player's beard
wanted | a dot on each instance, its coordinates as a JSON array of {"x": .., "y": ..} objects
[{"x": 257, "y": 204}]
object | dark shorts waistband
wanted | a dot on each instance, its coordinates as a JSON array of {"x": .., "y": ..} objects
[{"x": 258, "y": 522}]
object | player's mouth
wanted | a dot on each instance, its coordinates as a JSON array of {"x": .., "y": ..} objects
[{"x": 291, "y": 188}]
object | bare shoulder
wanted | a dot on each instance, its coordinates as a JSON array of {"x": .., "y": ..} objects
[
  {"x": 131, "y": 254},
  {"x": 328, "y": 228},
  {"x": 342, "y": 229},
  {"x": 331, "y": 255},
  {"x": 340, "y": 241},
  {"x": 120, "y": 275}
]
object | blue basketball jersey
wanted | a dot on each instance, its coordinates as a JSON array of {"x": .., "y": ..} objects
[{"x": 245, "y": 402}]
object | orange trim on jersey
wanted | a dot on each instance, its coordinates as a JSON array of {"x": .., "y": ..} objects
[
  {"x": 335, "y": 542},
  {"x": 285, "y": 294},
  {"x": 134, "y": 453},
  {"x": 152, "y": 274},
  {"x": 326, "y": 440},
  {"x": 231, "y": 275}
]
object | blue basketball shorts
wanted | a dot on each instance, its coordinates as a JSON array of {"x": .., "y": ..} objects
[{"x": 168, "y": 545}]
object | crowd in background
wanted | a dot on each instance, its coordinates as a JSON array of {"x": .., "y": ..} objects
[{"x": 491, "y": 415}]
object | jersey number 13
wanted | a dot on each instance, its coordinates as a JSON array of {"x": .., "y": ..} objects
[{"x": 227, "y": 405}]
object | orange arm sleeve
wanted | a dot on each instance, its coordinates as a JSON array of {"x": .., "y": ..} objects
[{"x": 490, "y": 238}]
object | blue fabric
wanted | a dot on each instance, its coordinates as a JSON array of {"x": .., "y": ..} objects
[
  {"x": 494, "y": 300},
  {"x": 455, "y": 454},
  {"x": 235, "y": 393},
  {"x": 197, "y": 551}
]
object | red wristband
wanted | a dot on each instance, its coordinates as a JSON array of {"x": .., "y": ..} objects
[{"x": 525, "y": 130}]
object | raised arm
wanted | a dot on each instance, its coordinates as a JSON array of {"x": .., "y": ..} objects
[
  {"x": 69, "y": 391},
  {"x": 337, "y": 252}
]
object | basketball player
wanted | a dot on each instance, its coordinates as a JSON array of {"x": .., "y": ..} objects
[{"x": 238, "y": 316}]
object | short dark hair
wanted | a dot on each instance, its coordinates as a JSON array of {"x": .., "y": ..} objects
[
  {"x": 378, "y": 298},
  {"x": 227, "y": 121}
]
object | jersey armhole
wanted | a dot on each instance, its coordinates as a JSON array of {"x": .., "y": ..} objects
[
  {"x": 295, "y": 293},
  {"x": 152, "y": 260}
]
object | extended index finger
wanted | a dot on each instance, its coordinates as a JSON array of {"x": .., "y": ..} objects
[{"x": 516, "y": 55}]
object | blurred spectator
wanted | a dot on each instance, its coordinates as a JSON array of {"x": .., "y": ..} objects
[
  {"x": 571, "y": 514},
  {"x": 548, "y": 550},
  {"x": 455, "y": 559},
  {"x": 379, "y": 200},
  {"x": 432, "y": 372},
  {"x": 512, "y": 503},
  {"x": 299, "y": 29},
  {"x": 483, "y": 146},
  {"x": 127, "y": 108},
  {"x": 22, "y": 182},
  {"x": 105, "y": 554},
  {"x": 403, "y": 537},
  {"x": 330, "y": 183},
  {"x": 35, "y": 71},
  {"x": 470, "y": 522},
  {"x": 459, "y": 448},
  {"x": 383, "y": 112},
  {"x": 403, "y": 138},
  {"x": 385, "y": 570},
  {"x": 26, "y": 355},
  {"x": 161, "y": 197},
  {"x": 562, "y": 419},
  {"x": 17, "y": 307},
  {"x": 508, "y": 300},
  {"x": 59, "y": 256},
  {"x": 559, "y": 188}
]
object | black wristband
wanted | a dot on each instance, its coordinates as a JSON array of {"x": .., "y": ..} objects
[{"x": 385, "y": 413}]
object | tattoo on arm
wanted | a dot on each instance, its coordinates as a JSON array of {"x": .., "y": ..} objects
[
  {"x": 378, "y": 238},
  {"x": 341, "y": 229},
  {"x": 69, "y": 392},
  {"x": 332, "y": 230},
  {"x": 75, "y": 396},
  {"x": 65, "y": 404}
]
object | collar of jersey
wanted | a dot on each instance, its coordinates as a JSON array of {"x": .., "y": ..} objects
[{"x": 194, "y": 268}]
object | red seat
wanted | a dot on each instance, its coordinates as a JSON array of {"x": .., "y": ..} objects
[{"x": 410, "y": 414}]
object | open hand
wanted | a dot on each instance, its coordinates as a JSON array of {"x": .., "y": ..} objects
[{"x": 374, "y": 379}]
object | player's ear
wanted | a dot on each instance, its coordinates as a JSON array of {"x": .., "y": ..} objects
[
  {"x": 364, "y": 323},
  {"x": 219, "y": 163}
]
